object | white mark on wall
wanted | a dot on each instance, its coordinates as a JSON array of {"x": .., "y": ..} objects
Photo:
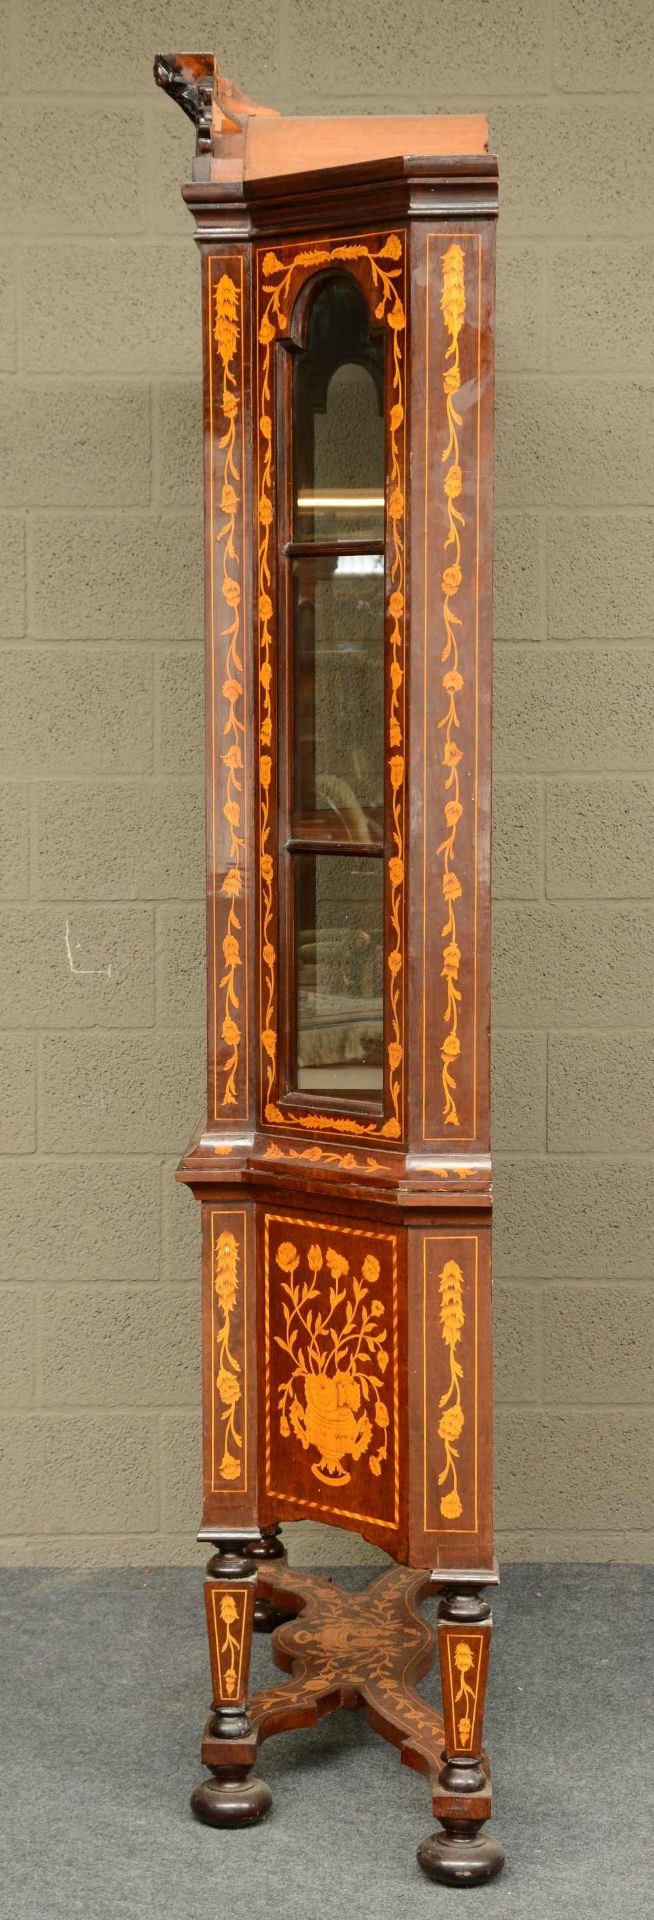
[{"x": 80, "y": 973}]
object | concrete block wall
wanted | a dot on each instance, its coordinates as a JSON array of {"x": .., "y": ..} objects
[{"x": 101, "y": 740}]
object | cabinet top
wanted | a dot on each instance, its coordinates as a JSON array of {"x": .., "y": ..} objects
[{"x": 259, "y": 150}]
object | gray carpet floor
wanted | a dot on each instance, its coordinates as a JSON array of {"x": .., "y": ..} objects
[{"x": 106, "y": 1693}]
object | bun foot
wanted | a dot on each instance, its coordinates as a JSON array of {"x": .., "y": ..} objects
[
  {"x": 231, "y": 1799},
  {"x": 460, "y": 1856}
]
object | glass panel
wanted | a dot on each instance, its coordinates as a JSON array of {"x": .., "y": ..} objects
[
  {"x": 338, "y": 421},
  {"x": 338, "y": 624},
  {"x": 339, "y": 920}
]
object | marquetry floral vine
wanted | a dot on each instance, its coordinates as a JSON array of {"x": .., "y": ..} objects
[
  {"x": 464, "y": 1661},
  {"x": 229, "y": 1645},
  {"x": 451, "y": 1423},
  {"x": 226, "y": 337},
  {"x": 228, "y": 1388},
  {"x": 338, "y": 1360},
  {"x": 319, "y": 1156},
  {"x": 453, "y": 307},
  {"x": 385, "y": 267}
]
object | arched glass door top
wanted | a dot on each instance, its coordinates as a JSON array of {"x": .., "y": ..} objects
[
  {"x": 338, "y": 421},
  {"x": 334, "y": 597}
]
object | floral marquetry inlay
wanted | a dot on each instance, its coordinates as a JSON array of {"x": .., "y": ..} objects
[
  {"x": 452, "y": 1418},
  {"x": 465, "y": 1663},
  {"x": 333, "y": 1397},
  {"x": 332, "y": 1368},
  {"x": 226, "y": 1283},
  {"x": 450, "y": 1386},
  {"x": 227, "y": 667},
  {"x": 229, "y": 1621},
  {"x": 381, "y": 263},
  {"x": 463, "y": 1678},
  {"x": 453, "y": 307}
]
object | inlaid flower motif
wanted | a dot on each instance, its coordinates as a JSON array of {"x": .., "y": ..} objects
[
  {"x": 450, "y": 1423},
  {"x": 228, "y": 1388},
  {"x": 226, "y": 1275},
  {"x": 451, "y": 1046},
  {"x": 451, "y": 960},
  {"x": 287, "y": 1255},
  {"x": 464, "y": 1657},
  {"x": 453, "y": 297},
  {"x": 335, "y": 1341},
  {"x": 453, "y": 482},
  {"x": 225, "y": 331}
]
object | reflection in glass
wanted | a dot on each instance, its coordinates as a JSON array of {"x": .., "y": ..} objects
[
  {"x": 339, "y": 921},
  {"x": 338, "y": 424},
  {"x": 338, "y": 623}
]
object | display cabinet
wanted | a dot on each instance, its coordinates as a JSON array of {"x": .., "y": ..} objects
[{"x": 343, "y": 1172}]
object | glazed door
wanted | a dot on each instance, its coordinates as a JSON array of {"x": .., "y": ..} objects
[{"x": 332, "y": 401}]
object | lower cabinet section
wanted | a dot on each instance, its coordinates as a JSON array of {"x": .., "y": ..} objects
[{"x": 347, "y": 1377}]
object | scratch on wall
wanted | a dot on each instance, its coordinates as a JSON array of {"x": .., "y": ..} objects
[{"x": 82, "y": 972}]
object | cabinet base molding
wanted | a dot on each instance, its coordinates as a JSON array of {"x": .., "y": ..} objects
[{"x": 364, "y": 1651}]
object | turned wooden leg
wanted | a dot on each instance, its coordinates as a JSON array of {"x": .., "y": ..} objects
[
  {"x": 233, "y": 1797},
  {"x": 461, "y": 1854},
  {"x": 268, "y": 1547}
]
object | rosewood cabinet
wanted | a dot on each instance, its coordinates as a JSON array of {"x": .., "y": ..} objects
[{"x": 344, "y": 1172}]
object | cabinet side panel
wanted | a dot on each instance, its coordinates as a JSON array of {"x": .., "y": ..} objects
[
  {"x": 229, "y": 1360},
  {"x": 225, "y": 296},
  {"x": 452, "y": 449},
  {"x": 450, "y": 1367},
  {"x": 332, "y": 1396}
]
